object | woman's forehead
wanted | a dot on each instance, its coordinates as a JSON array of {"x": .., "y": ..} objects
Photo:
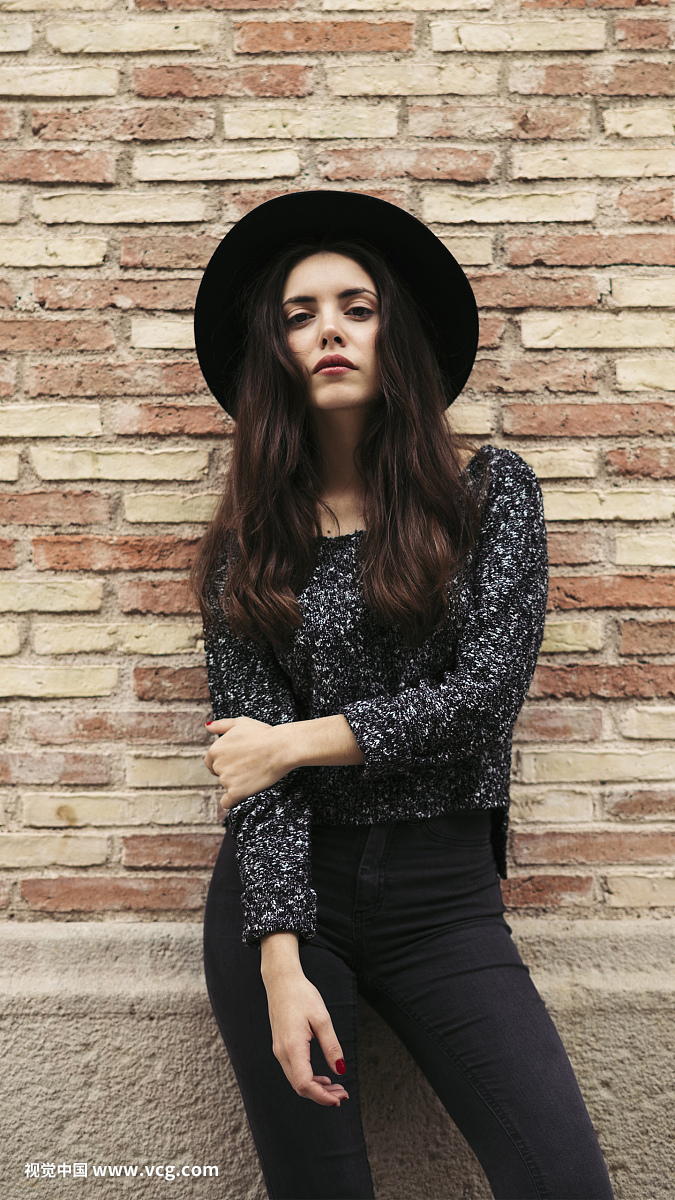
[{"x": 328, "y": 269}]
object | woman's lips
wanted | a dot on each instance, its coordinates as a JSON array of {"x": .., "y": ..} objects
[{"x": 335, "y": 370}]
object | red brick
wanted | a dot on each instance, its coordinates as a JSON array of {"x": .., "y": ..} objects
[
  {"x": 578, "y": 79},
  {"x": 4, "y": 724},
  {"x": 166, "y": 850},
  {"x": 7, "y": 294},
  {"x": 637, "y": 802},
  {"x": 240, "y": 200},
  {"x": 594, "y": 846},
  {"x": 171, "y": 683},
  {"x": 519, "y": 290},
  {"x": 588, "y": 420},
  {"x": 632, "y": 34},
  {"x": 255, "y": 79},
  {"x": 169, "y": 597},
  {"x": 651, "y": 462},
  {"x": 546, "y": 891},
  {"x": 55, "y": 727},
  {"x": 7, "y": 378},
  {"x": 490, "y": 332},
  {"x": 648, "y": 203},
  {"x": 87, "y": 552},
  {"x": 312, "y": 37},
  {"x": 193, "y": 419},
  {"x": 8, "y": 549},
  {"x": 142, "y": 378},
  {"x": 442, "y": 162},
  {"x": 575, "y": 547},
  {"x": 57, "y": 166},
  {"x": 643, "y": 680},
  {"x": 647, "y": 637},
  {"x": 10, "y": 123},
  {"x": 175, "y": 295},
  {"x": 538, "y": 722},
  {"x": 535, "y": 374},
  {"x": 40, "y": 333},
  {"x": 168, "y": 250},
  {"x": 54, "y": 767},
  {"x": 519, "y": 121},
  {"x": 54, "y": 508},
  {"x": 145, "y": 123},
  {"x": 591, "y": 249},
  {"x": 112, "y": 893},
  {"x": 611, "y": 591}
]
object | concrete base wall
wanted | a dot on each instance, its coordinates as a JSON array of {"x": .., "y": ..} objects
[{"x": 111, "y": 1055}]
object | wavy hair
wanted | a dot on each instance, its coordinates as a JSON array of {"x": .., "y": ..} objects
[{"x": 422, "y": 520}]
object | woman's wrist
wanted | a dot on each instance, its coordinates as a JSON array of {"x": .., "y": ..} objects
[{"x": 279, "y": 955}]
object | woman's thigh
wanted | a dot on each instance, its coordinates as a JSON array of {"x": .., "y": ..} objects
[
  {"x": 306, "y": 1150},
  {"x": 448, "y": 978}
]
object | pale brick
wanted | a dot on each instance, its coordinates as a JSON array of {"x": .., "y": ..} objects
[
  {"x": 644, "y": 293},
  {"x": 617, "y": 505},
  {"x": 582, "y": 766},
  {"x": 10, "y": 208},
  {"x": 113, "y": 208},
  {"x": 546, "y": 331},
  {"x": 471, "y": 250},
  {"x": 497, "y": 36},
  {"x": 353, "y": 121},
  {"x": 569, "y": 637},
  {"x": 498, "y": 120},
  {"x": 163, "y": 334},
  {"x": 184, "y": 165},
  {"x": 456, "y": 208},
  {"x": 640, "y": 891},
  {"x": 551, "y": 804},
  {"x": 472, "y": 417},
  {"x": 9, "y": 465},
  {"x": 572, "y": 462},
  {"x": 15, "y": 37},
  {"x": 45, "y": 683},
  {"x": 140, "y": 35},
  {"x": 45, "y": 420},
  {"x": 590, "y": 162},
  {"x": 54, "y": 809},
  {"x": 640, "y": 122},
  {"x": 645, "y": 549},
  {"x": 53, "y": 5},
  {"x": 643, "y": 721},
  {"x": 52, "y": 850},
  {"x": 52, "y": 252},
  {"x": 168, "y": 770},
  {"x": 645, "y": 374},
  {"x": 412, "y": 79},
  {"x": 119, "y": 464},
  {"x": 59, "y": 81},
  {"x": 406, "y": 5},
  {"x": 65, "y": 595},
  {"x": 125, "y": 638},
  {"x": 10, "y": 639},
  {"x": 169, "y": 507}
]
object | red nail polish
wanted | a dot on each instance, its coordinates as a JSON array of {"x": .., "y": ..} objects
[
  {"x": 340, "y": 1066},
  {"x": 209, "y": 722}
]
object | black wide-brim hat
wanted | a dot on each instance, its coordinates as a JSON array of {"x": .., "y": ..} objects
[{"x": 433, "y": 276}]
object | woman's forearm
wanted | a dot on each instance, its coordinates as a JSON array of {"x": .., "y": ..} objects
[
  {"x": 322, "y": 742},
  {"x": 279, "y": 955}
]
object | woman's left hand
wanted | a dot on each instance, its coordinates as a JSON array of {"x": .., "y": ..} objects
[{"x": 247, "y": 757}]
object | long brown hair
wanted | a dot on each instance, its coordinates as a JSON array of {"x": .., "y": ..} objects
[{"x": 422, "y": 520}]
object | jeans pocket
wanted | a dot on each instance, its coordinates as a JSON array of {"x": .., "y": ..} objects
[{"x": 469, "y": 828}]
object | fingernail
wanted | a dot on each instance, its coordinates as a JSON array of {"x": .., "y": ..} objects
[
  {"x": 209, "y": 722},
  {"x": 340, "y": 1066}
]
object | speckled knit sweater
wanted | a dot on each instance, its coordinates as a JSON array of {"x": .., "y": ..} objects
[{"x": 434, "y": 724}]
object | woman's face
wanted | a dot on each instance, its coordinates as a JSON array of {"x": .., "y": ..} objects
[{"x": 331, "y": 310}]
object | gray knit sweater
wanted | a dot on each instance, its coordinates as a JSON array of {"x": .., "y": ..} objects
[{"x": 434, "y": 724}]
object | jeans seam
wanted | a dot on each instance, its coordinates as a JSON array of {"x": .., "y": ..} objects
[{"x": 477, "y": 1085}]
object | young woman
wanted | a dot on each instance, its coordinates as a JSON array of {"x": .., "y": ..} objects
[{"x": 374, "y": 598}]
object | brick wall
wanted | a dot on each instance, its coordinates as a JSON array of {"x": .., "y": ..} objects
[{"x": 537, "y": 141}]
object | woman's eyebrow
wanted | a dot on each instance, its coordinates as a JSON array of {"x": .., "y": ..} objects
[{"x": 341, "y": 296}]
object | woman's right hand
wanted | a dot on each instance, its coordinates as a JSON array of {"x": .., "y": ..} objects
[{"x": 297, "y": 1014}]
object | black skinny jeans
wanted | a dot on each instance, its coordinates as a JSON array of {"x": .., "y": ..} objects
[{"x": 410, "y": 914}]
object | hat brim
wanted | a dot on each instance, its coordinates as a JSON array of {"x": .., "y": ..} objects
[{"x": 430, "y": 271}]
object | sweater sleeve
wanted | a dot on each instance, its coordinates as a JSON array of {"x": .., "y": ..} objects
[
  {"x": 271, "y": 829},
  {"x": 474, "y": 705}
]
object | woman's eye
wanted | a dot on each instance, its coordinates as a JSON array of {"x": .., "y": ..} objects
[
  {"x": 361, "y": 310},
  {"x": 298, "y": 318}
]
